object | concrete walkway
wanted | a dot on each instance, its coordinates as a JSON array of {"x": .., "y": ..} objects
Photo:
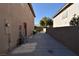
[{"x": 42, "y": 44}]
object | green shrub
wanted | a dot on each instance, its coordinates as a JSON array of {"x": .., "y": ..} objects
[{"x": 34, "y": 32}]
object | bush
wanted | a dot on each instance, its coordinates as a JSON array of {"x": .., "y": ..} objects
[{"x": 34, "y": 32}]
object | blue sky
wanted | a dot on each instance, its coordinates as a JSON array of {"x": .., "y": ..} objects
[{"x": 45, "y": 9}]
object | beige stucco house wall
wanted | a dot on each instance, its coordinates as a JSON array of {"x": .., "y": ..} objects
[
  {"x": 12, "y": 16},
  {"x": 64, "y": 17}
]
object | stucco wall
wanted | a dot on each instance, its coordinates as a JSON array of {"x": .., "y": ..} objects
[
  {"x": 14, "y": 15},
  {"x": 69, "y": 36},
  {"x": 64, "y": 17}
]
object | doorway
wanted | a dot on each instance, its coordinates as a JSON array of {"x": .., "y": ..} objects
[{"x": 25, "y": 29}]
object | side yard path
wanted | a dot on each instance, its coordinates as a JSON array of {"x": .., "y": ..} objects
[{"x": 42, "y": 44}]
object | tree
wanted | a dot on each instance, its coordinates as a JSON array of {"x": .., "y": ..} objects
[
  {"x": 45, "y": 21},
  {"x": 50, "y": 22},
  {"x": 74, "y": 21},
  {"x": 42, "y": 23}
]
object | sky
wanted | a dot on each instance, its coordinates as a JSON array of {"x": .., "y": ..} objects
[{"x": 45, "y": 9}]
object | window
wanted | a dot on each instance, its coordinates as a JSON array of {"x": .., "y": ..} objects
[{"x": 65, "y": 15}]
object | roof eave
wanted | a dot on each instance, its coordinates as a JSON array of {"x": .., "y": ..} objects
[
  {"x": 31, "y": 9},
  {"x": 63, "y": 8}
]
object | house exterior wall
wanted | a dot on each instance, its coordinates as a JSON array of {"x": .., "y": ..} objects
[
  {"x": 15, "y": 15},
  {"x": 64, "y": 17}
]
